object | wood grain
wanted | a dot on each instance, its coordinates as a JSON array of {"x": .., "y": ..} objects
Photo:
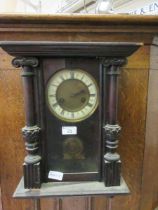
[
  {"x": 79, "y": 18},
  {"x": 77, "y": 203},
  {"x": 150, "y": 189},
  {"x": 133, "y": 104},
  {"x": 132, "y": 109},
  {"x": 11, "y": 147},
  {"x": 50, "y": 204},
  {"x": 0, "y": 199},
  {"x": 133, "y": 94}
]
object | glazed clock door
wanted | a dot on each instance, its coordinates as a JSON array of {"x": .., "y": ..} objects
[{"x": 72, "y": 117}]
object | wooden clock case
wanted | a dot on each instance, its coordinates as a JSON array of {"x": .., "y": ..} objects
[{"x": 43, "y": 139}]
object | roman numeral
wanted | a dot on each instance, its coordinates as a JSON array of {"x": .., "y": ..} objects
[
  {"x": 62, "y": 78},
  {"x": 89, "y": 85},
  {"x": 90, "y": 105},
  {"x": 82, "y": 77},
  {"x": 51, "y": 95},
  {"x": 72, "y": 73},
  {"x": 93, "y": 94},
  {"x": 62, "y": 112},
  {"x": 54, "y": 85},
  {"x": 55, "y": 105}
]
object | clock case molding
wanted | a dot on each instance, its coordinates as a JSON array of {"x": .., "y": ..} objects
[{"x": 112, "y": 56}]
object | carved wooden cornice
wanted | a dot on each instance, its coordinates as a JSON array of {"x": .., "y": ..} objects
[{"x": 91, "y": 49}]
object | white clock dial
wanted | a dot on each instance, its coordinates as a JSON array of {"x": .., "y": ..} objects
[{"x": 72, "y": 95}]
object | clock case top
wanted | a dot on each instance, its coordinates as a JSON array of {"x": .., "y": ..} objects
[
  {"x": 57, "y": 49},
  {"x": 88, "y": 50}
]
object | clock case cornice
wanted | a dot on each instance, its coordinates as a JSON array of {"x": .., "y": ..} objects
[{"x": 69, "y": 49}]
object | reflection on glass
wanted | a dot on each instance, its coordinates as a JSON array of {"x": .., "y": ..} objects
[
  {"x": 72, "y": 155},
  {"x": 73, "y": 149}
]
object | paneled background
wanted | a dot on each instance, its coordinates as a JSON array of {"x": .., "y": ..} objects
[{"x": 138, "y": 92}]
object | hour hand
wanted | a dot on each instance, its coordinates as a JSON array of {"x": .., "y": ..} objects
[{"x": 77, "y": 93}]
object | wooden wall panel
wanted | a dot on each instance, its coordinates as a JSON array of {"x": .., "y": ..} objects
[
  {"x": 50, "y": 204},
  {"x": 11, "y": 147},
  {"x": 76, "y": 203},
  {"x": 150, "y": 189},
  {"x": 132, "y": 117},
  {"x": 99, "y": 203},
  {"x": 133, "y": 94},
  {"x": 0, "y": 199},
  {"x": 132, "y": 113}
]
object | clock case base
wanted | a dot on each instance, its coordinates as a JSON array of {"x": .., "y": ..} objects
[{"x": 65, "y": 189}]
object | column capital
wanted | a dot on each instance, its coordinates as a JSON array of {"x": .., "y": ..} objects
[
  {"x": 108, "y": 62},
  {"x": 25, "y": 61}
]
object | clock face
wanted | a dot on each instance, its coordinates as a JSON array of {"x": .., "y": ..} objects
[{"x": 72, "y": 95}]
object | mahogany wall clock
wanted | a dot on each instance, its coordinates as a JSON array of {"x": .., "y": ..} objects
[{"x": 70, "y": 94}]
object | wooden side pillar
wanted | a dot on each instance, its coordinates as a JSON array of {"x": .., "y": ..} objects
[
  {"x": 111, "y": 129},
  {"x": 31, "y": 132}
]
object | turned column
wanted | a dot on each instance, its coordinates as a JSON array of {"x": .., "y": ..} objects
[
  {"x": 111, "y": 128},
  {"x": 31, "y": 132}
]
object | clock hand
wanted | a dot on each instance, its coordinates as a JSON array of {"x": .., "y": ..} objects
[
  {"x": 61, "y": 100},
  {"x": 77, "y": 93}
]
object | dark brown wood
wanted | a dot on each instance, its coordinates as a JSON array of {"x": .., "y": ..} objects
[
  {"x": 31, "y": 132},
  {"x": 112, "y": 71},
  {"x": 52, "y": 138},
  {"x": 111, "y": 129},
  {"x": 64, "y": 49},
  {"x": 134, "y": 78},
  {"x": 28, "y": 84},
  {"x": 51, "y": 130}
]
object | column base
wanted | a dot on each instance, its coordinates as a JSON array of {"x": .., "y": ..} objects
[
  {"x": 112, "y": 173},
  {"x": 32, "y": 176}
]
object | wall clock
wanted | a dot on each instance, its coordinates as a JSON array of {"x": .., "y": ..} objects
[{"x": 70, "y": 94}]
